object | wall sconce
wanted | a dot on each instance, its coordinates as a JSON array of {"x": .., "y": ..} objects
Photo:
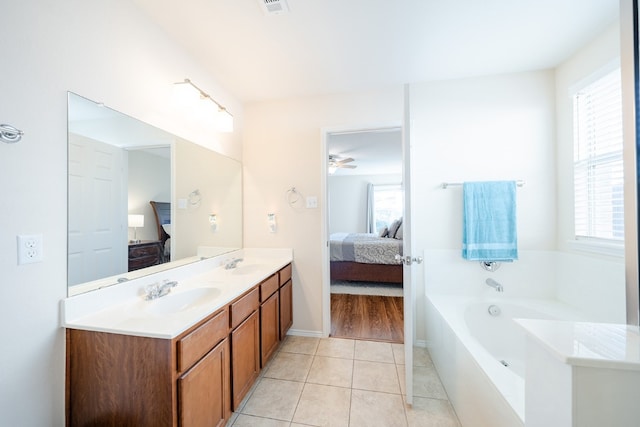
[
  {"x": 271, "y": 220},
  {"x": 191, "y": 96},
  {"x": 213, "y": 222},
  {"x": 135, "y": 221}
]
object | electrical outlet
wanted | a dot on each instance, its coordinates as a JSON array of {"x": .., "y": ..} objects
[
  {"x": 312, "y": 202},
  {"x": 29, "y": 248}
]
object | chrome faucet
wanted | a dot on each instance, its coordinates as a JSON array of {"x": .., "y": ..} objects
[
  {"x": 156, "y": 290},
  {"x": 232, "y": 263},
  {"x": 495, "y": 285}
]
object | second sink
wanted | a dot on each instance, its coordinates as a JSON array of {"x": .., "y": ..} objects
[
  {"x": 247, "y": 269},
  {"x": 180, "y": 301}
]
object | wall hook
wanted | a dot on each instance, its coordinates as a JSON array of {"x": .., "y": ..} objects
[{"x": 9, "y": 134}]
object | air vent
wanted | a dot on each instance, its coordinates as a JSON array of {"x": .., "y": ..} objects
[{"x": 274, "y": 7}]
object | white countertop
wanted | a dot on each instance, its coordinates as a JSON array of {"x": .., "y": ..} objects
[
  {"x": 596, "y": 345},
  {"x": 122, "y": 308}
]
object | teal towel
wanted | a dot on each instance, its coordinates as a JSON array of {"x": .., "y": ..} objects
[{"x": 489, "y": 221}]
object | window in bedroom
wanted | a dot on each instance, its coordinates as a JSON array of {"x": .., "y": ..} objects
[
  {"x": 598, "y": 167},
  {"x": 387, "y": 205}
]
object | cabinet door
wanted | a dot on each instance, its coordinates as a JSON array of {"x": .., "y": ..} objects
[
  {"x": 245, "y": 357},
  {"x": 269, "y": 327},
  {"x": 286, "y": 308},
  {"x": 203, "y": 391}
]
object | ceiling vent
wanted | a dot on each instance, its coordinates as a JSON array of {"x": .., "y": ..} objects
[{"x": 274, "y": 7}]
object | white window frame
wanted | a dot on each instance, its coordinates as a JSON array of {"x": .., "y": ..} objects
[
  {"x": 384, "y": 187},
  {"x": 603, "y": 246}
]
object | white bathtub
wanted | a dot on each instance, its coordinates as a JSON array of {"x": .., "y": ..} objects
[{"x": 480, "y": 357}]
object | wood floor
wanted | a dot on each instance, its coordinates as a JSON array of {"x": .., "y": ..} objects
[{"x": 367, "y": 317}]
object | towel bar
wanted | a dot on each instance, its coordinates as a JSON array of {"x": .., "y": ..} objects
[{"x": 444, "y": 185}]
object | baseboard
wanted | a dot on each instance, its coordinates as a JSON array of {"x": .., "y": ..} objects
[{"x": 303, "y": 333}]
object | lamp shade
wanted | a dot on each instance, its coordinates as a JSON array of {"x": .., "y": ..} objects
[{"x": 136, "y": 220}]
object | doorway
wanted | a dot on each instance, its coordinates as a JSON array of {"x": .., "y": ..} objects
[{"x": 364, "y": 233}]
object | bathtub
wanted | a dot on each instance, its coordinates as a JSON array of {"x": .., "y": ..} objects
[{"x": 478, "y": 352}]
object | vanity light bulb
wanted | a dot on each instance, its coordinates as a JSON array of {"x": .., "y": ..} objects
[{"x": 213, "y": 221}]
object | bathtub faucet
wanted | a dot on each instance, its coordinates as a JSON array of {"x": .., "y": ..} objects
[{"x": 495, "y": 285}]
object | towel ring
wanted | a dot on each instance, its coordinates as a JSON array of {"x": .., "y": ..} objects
[{"x": 293, "y": 197}]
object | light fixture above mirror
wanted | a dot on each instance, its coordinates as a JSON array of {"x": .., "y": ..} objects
[{"x": 200, "y": 104}]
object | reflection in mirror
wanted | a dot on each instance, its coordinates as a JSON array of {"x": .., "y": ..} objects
[{"x": 117, "y": 167}]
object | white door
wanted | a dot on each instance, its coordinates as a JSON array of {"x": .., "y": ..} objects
[
  {"x": 97, "y": 210},
  {"x": 410, "y": 258}
]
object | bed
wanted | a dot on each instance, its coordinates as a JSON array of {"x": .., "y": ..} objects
[
  {"x": 162, "y": 213},
  {"x": 365, "y": 257}
]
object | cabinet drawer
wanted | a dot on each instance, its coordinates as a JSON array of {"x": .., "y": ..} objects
[
  {"x": 268, "y": 287},
  {"x": 141, "y": 251},
  {"x": 202, "y": 339},
  {"x": 243, "y": 307},
  {"x": 285, "y": 274}
]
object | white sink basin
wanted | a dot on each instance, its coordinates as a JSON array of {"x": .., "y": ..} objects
[
  {"x": 181, "y": 301},
  {"x": 247, "y": 269}
]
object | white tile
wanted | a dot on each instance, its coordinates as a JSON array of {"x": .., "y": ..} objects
[
  {"x": 374, "y": 409},
  {"x": 336, "y": 347},
  {"x": 375, "y": 376},
  {"x": 251, "y": 421},
  {"x": 274, "y": 399},
  {"x": 331, "y": 371},
  {"x": 431, "y": 413},
  {"x": 289, "y": 366},
  {"x": 303, "y": 345},
  {"x": 322, "y": 405},
  {"x": 426, "y": 383},
  {"x": 374, "y": 351}
]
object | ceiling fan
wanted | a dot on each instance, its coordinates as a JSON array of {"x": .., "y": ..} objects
[{"x": 336, "y": 162}]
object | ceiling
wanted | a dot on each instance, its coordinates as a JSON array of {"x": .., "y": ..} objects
[
  {"x": 334, "y": 46},
  {"x": 375, "y": 152}
]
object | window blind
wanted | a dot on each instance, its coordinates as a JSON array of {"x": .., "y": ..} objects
[{"x": 598, "y": 167}]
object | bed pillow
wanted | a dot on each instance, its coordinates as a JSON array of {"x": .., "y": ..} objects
[
  {"x": 399, "y": 233},
  {"x": 393, "y": 228},
  {"x": 384, "y": 232}
]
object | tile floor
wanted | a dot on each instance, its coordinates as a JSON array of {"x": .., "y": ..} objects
[{"x": 341, "y": 382}]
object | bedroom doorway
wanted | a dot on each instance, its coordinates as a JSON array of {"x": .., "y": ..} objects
[{"x": 364, "y": 230}]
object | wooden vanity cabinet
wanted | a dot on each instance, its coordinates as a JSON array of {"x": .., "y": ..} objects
[
  {"x": 269, "y": 318},
  {"x": 286, "y": 300},
  {"x": 203, "y": 391},
  {"x": 193, "y": 380},
  {"x": 125, "y": 380},
  {"x": 204, "y": 394},
  {"x": 245, "y": 345}
]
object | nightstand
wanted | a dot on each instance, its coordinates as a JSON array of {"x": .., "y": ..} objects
[{"x": 145, "y": 254}]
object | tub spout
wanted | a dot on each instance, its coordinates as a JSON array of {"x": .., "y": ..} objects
[{"x": 495, "y": 285}]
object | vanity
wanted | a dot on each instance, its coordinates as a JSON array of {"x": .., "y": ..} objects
[{"x": 184, "y": 359}]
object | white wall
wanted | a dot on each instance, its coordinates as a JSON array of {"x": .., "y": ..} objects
[
  {"x": 283, "y": 149},
  {"x": 487, "y": 128},
  {"x": 107, "y": 51},
  {"x": 348, "y": 200}
]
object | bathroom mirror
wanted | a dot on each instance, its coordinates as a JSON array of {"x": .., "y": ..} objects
[{"x": 117, "y": 165}]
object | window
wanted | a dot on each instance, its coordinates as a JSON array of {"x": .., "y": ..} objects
[
  {"x": 387, "y": 205},
  {"x": 598, "y": 169}
]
